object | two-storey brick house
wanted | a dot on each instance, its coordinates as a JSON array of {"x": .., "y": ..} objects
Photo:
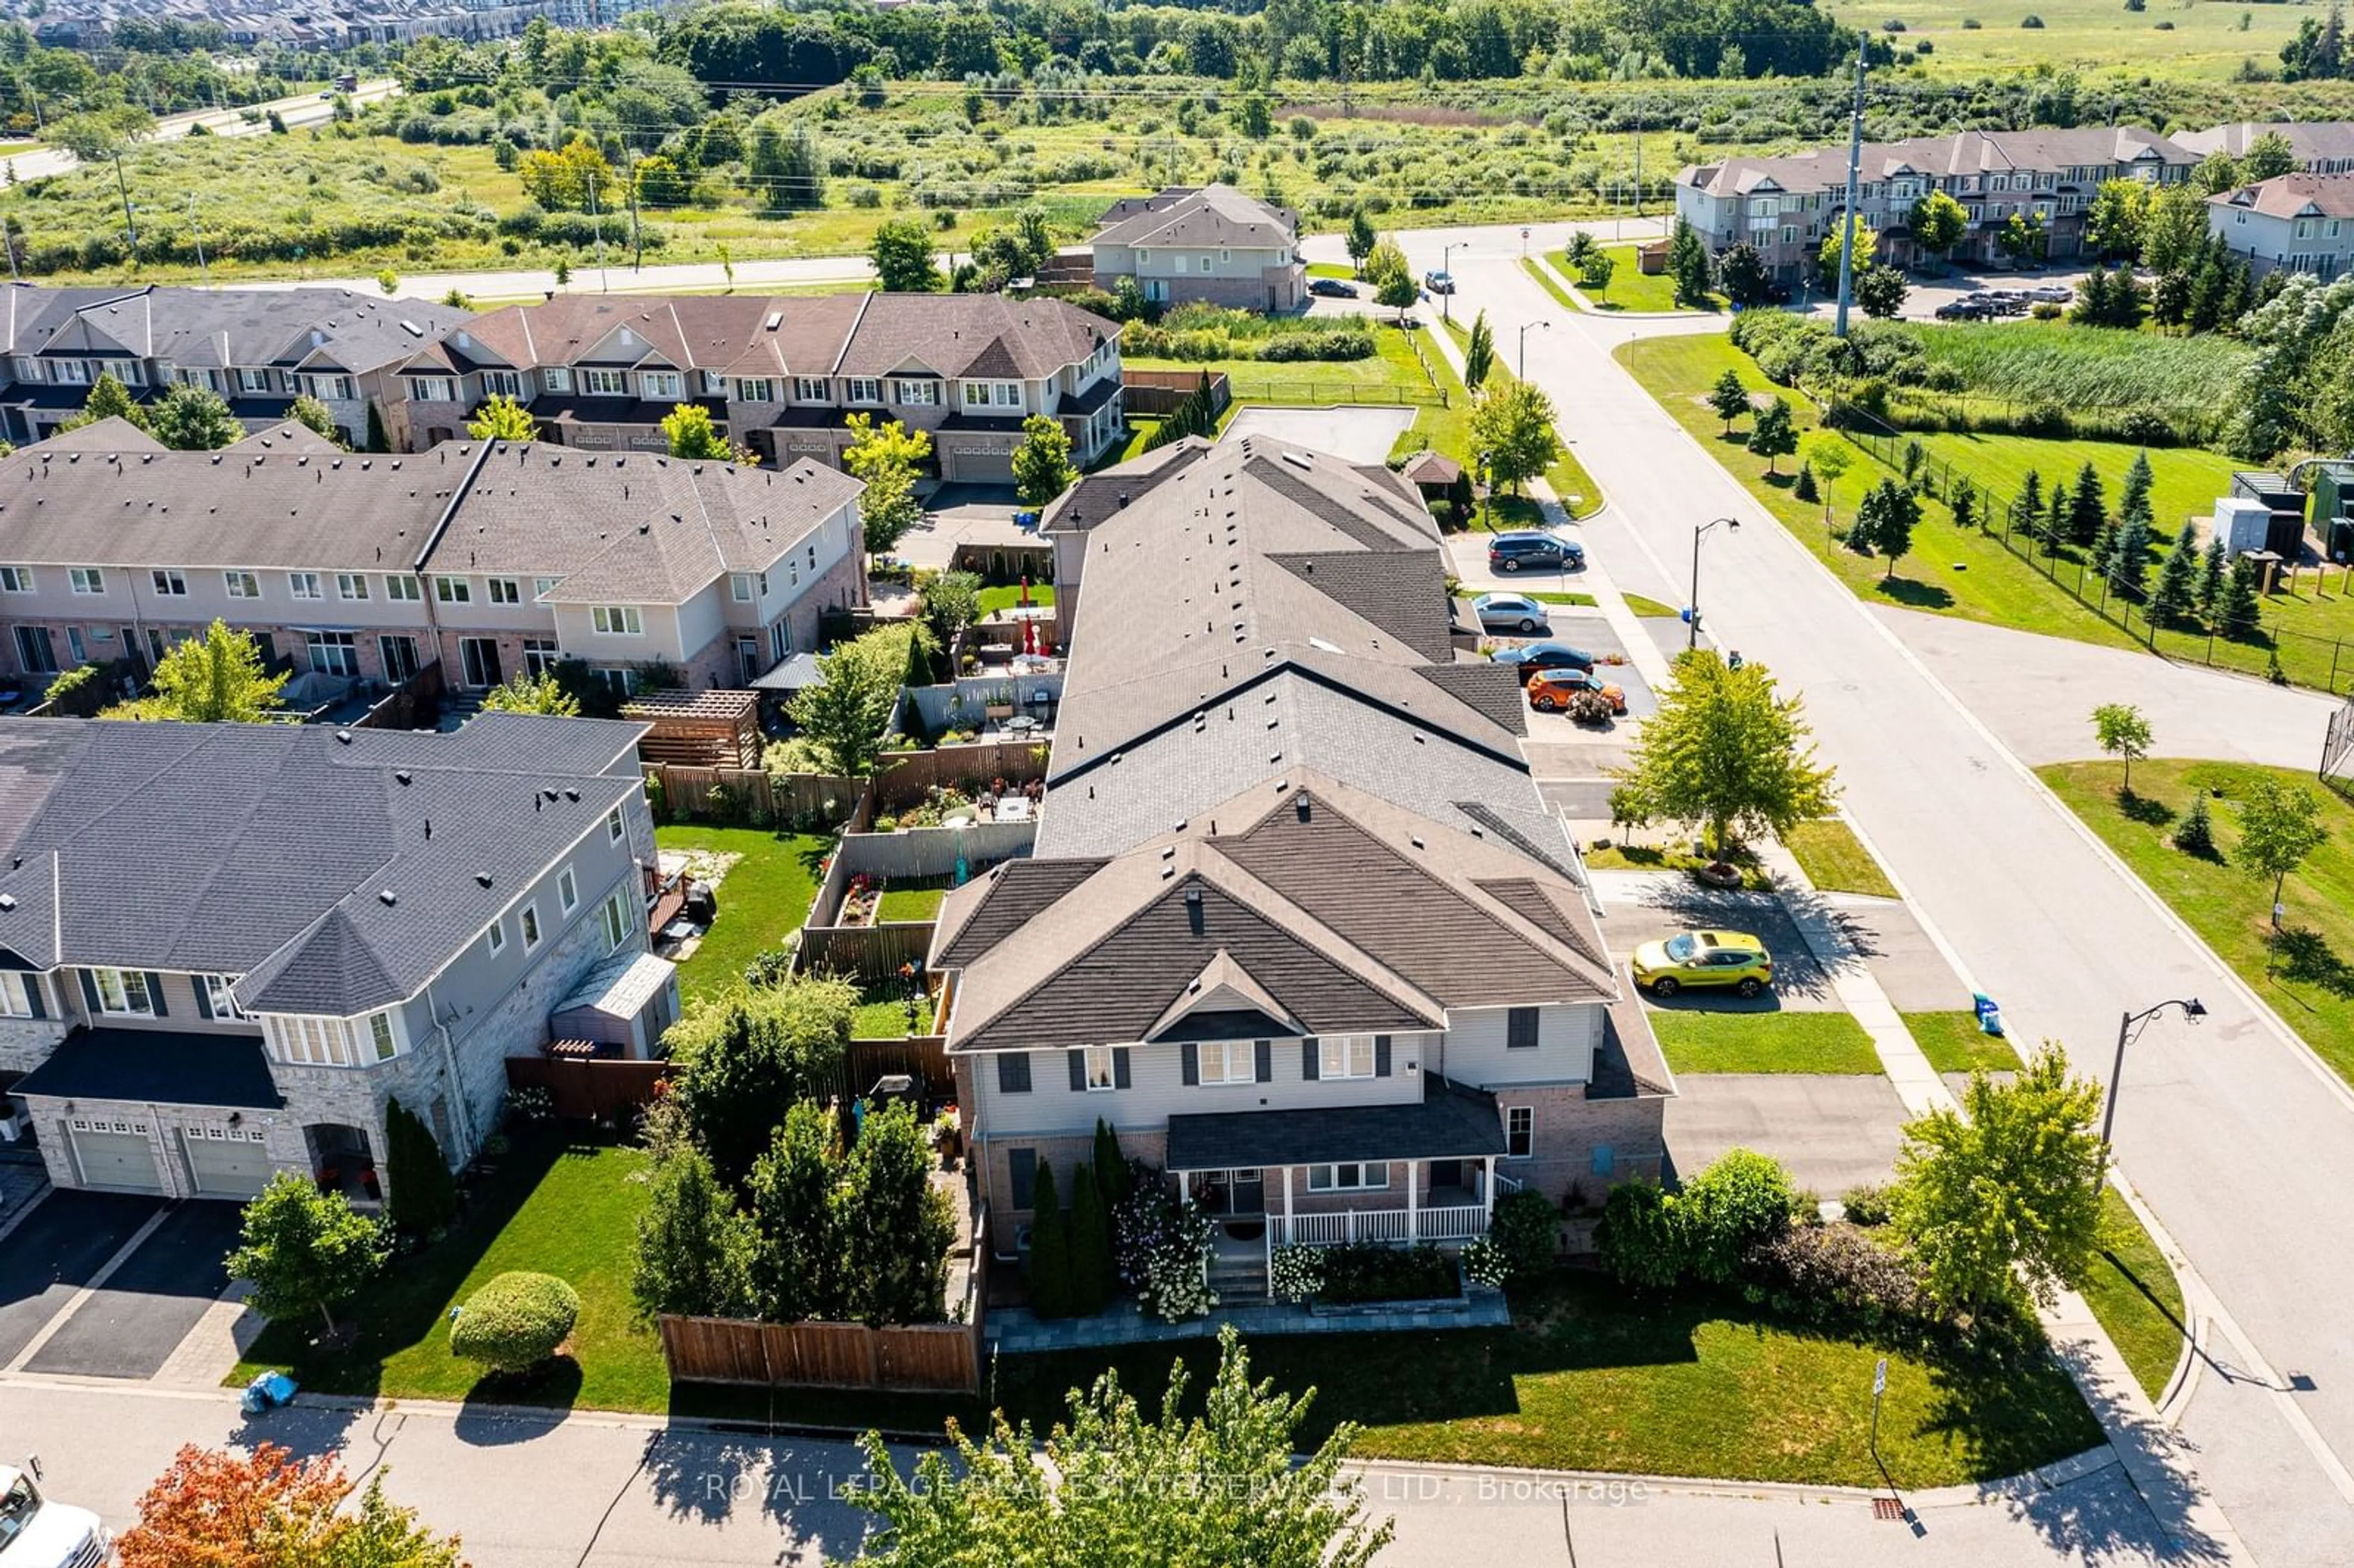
[{"x": 225, "y": 949}]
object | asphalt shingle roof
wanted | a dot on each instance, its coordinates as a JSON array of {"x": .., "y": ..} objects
[
  {"x": 1210, "y": 214},
  {"x": 1449, "y": 1122},
  {"x": 157, "y": 1067},
  {"x": 313, "y": 329}
]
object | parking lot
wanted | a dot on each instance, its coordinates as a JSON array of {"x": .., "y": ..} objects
[{"x": 134, "y": 1318}]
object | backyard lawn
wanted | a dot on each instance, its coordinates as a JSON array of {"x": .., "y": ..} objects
[
  {"x": 2314, "y": 988},
  {"x": 1954, "y": 1044},
  {"x": 915, "y": 902},
  {"x": 764, "y": 897},
  {"x": 1393, "y": 376},
  {"x": 1835, "y": 860},
  {"x": 553, "y": 1206},
  {"x": 882, "y": 1014},
  {"x": 1629, "y": 288},
  {"x": 1589, "y": 1379},
  {"x": 998, "y": 601},
  {"x": 1697, "y": 1042},
  {"x": 2133, "y": 1293}
]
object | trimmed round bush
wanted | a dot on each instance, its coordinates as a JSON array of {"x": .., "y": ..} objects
[{"x": 515, "y": 1322}]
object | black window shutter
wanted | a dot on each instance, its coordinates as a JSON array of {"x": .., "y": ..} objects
[
  {"x": 88, "y": 992},
  {"x": 1078, "y": 1070},
  {"x": 1022, "y": 1168},
  {"x": 1310, "y": 1063},
  {"x": 156, "y": 996},
  {"x": 1192, "y": 1063},
  {"x": 204, "y": 998},
  {"x": 1013, "y": 1073},
  {"x": 35, "y": 992},
  {"x": 1520, "y": 1029},
  {"x": 1264, "y": 1050},
  {"x": 1381, "y": 1056},
  {"x": 1119, "y": 1067}
]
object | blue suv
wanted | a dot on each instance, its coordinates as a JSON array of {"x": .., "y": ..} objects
[{"x": 1536, "y": 550}]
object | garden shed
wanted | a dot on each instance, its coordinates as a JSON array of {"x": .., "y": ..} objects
[{"x": 623, "y": 1007}]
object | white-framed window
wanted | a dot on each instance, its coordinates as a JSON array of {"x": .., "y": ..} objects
[
  {"x": 810, "y": 389},
  {"x": 865, "y": 389},
  {"x": 329, "y": 388},
  {"x": 241, "y": 585},
  {"x": 432, "y": 389},
  {"x": 352, "y": 585},
  {"x": 541, "y": 655},
  {"x": 530, "y": 923},
  {"x": 16, "y": 579},
  {"x": 976, "y": 394},
  {"x": 403, "y": 587},
  {"x": 254, "y": 381},
  {"x": 122, "y": 993},
  {"x": 1370, "y": 1176},
  {"x": 662, "y": 384},
  {"x": 556, "y": 377},
  {"x": 72, "y": 372},
  {"x": 1100, "y": 1073},
  {"x": 311, "y": 1041},
  {"x": 454, "y": 591},
  {"x": 542, "y": 587},
  {"x": 605, "y": 383},
  {"x": 495, "y": 940},
  {"x": 333, "y": 653},
  {"x": 1519, "y": 1132},
  {"x": 1345, "y": 1056},
  {"x": 218, "y": 996},
  {"x": 304, "y": 585},
  {"x": 756, "y": 389},
  {"x": 87, "y": 579},
  {"x": 568, "y": 890},
  {"x": 1207, "y": 265},
  {"x": 739, "y": 586},
  {"x": 917, "y": 394},
  {"x": 504, "y": 590},
  {"x": 613, "y": 829},
  {"x": 614, "y": 915},
  {"x": 169, "y": 584},
  {"x": 502, "y": 384},
  {"x": 616, "y": 619},
  {"x": 1229, "y": 1062},
  {"x": 16, "y": 994},
  {"x": 382, "y": 1039}
]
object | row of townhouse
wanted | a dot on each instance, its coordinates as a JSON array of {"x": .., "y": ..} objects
[
  {"x": 2294, "y": 223},
  {"x": 258, "y": 348},
  {"x": 1297, "y": 924},
  {"x": 225, "y": 950},
  {"x": 489, "y": 557},
  {"x": 783, "y": 375}
]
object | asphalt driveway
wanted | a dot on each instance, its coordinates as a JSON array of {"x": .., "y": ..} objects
[
  {"x": 131, "y": 1324},
  {"x": 54, "y": 1252},
  {"x": 1833, "y": 1131}
]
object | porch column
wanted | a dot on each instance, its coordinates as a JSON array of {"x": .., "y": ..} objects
[
  {"x": 1289, "y": 1234},
  {"x": 1413, "y": 1219},
  {"x": 1488, "y": 1190}
]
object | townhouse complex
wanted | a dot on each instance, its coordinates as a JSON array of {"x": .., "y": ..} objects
[
  {"x": 1209, "y": 243},
  {"x": 226, "y": 948},
  {"x": 1297, "y": 924},
  {"x": 780, "y": 374},
  {"x": 2296, "y": 222},
  {"x": 258, "y": 348},
  {"x": 488, "y": 557}
]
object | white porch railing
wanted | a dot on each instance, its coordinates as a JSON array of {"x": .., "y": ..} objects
[{"x": 1457, "y": 1224}]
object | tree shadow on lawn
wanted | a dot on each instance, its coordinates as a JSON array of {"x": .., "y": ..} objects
[
  {"x": 2004, "y": 1399},
  {"x": 2305, "y": 958},
  {"x": 2149, "y": 812},
  {"x": 492, "y": 1414},
  {"x": 1913, "y": 595}
]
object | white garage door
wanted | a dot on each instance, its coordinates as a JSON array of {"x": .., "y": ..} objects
[
  {"x": 115, "y": 1154},
  {"x": 969, "y": 465},
  {"x": 227, "y": 1161}
]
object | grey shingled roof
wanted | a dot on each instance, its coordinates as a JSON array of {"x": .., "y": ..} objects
[
  {"x": 970, "y": 334},
  {"x": 2294, "y": 195},
  {"x": 262, "y": 850},
  {"x": 2312, "y": 140},
  {"x": 314, "y": 328},
  {"x": 1449, "y": 1122},
  {"x": 1210, "y": 214},
  {"x": 1824, "y": 169}
]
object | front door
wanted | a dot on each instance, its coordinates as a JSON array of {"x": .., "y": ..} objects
[
  {"x": 1235, "y": 1192},
  {"x": 36, "y": 653},
  {"x": 479, "y": 657}
]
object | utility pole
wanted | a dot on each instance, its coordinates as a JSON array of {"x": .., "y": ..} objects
[
  {"x": 597, "y": 222},
  {"x": 196, "y": 229},
  {"x": 129, "y": 223},
  {"x": 637, "y": 240},
  {"x": 1639, "y": 171},
  {"x": 1854, "y": 172}
]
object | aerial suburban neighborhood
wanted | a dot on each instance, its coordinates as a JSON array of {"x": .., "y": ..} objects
[{"x": 965, "y": 782}]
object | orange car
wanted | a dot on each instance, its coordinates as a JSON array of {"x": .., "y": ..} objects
[{"x": 1550, "y": 690}]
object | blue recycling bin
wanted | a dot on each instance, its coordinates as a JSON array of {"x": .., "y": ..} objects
[{"x": 1990, "y": 1016}]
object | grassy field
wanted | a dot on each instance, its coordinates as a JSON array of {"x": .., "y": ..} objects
[
  {"x": 1954, "y": 1044},
  {"x": 2133, "y": 1293},
  {"x": 1630, "y": 288},
  {"x": 1835, "y": 860},
  {"x": 1992, "y": 585},
  {"x": 1763, "y": 1041},
  {"x": 2083, "y": 367},
  {"x": 1591, "y": 1379},
  {"x": 764, "y": 897},
  {"x": 553, "y": 1207},
  {"x": 2314, "y": 986},
  {"x": 1393, "y": 376},
  {"x": 2205, "y": 41}
]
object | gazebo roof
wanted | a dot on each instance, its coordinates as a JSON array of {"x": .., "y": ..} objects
[{"x": 1432, "y": 468}]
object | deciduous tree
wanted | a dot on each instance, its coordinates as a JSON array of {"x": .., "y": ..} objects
[
  {"x": 303, "y": 1251},
  {"x": 269, "y": 1509},
  {"x": 2113, "y": 223},
  {"x": 1880, "y": 291},
  {"x": 1361, "y": 240},
  {"x": 502, "y": 418},
  {"x": 738, "y": 1061},
  {"x": 887, "y": 457},
  {"x": 1937, "y": 222},
  {"x": 691, "y": 433},
  {"x": 694, "y": 1247},
  {"x": 2280, "y": 825},
  {"x": 1827, "y": 255},
  {"x": 1042, "y": 463},
  {"x": 1729, "y": 399},
  {"x": 1740, "y": 274},
  {"x": 1727, "y": 751},
  {"x": 218, "y": 678},
  {"x": 902, "y": 256},
  {"x": 107, "y": 399},
  {"x": 1885, "y": 522},
  {"x": 193, "y": 419},
  {"x": 1772, "y": 434},
  {"x": 1478, "y": 353},
  {"x": 1511, "y": 424},
  {"x": 524, "y": 693},
  {"x": 2123, "y": 731},
  {"x": 896, "y": 1227}
]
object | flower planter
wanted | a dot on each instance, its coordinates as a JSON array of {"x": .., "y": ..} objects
[{"x": 1720, "y": 875}]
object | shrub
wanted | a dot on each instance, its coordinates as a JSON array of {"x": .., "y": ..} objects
[
  {"x": 424, "y": 1195},
  {"x": 78, "y": 693},
  {"x": 1370, "y": 1271},
  {"x": 1528, "y": 1229},
  {"x": 2031, "y": 22},
  {"x": 1742, "y": 1199},
  {"x": 2046, "y": 310},
  {"x": 1638, "y": 1237},
  {"x": 1485, "y": 1263},
  {"x": 514, "y": 1322},
  {"x": 1296, "y": 1273},
  {"x": 1826, "y": 1272},
  {"x": 1865, "y": 1205}
]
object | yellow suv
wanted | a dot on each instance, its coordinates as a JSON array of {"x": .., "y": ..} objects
[{"x": 1733, "y": 959}]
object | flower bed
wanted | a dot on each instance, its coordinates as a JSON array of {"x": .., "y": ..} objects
[{"x": 1368, "y": 1271}]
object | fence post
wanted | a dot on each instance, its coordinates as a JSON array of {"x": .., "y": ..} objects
[{"x": 2335, "y": 648}]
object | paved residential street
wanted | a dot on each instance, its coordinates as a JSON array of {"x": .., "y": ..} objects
[{"x": 2216, "y": 1123}]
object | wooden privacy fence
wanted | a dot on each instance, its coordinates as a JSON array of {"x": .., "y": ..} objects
[
  {"x": 1157, "y": 393},
  {"x": 868, "y": 952},
  {"x": 594, "y": 1090},
  {"x": 753, "y": 793},
  {"x": 926, "y": 1358},
  {"x": 903, "y": 776},
  {"x": 922, "y": 1057}
]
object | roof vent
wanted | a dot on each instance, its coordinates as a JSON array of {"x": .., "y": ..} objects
[
  {"x": 1296, "y": 460},
  {"x": 572, "y": 794},
  {"x": 7, "y": 902},
  {"x": 343, "y": 737},
  {"x": 402, "y": 776},
  {"x": 483, "y": 878},
  {"x": 1416, "y": 842},
  {"x": 1193, "y": 896},
  {"x": 386, "y": 896},
  {"x": 775, "y": 319}
]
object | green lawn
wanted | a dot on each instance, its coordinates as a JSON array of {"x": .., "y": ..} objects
[
  {"x": 1954, "y": 1044},
  {"x": 1651, "y": 857},
  {"x": 997, "y": 600},
  {"x": 1591, "y": 1379},
  {"x": 2202, "y": 42},
  {"x": 554, "y": 1207},
  {"x": 1651, "y": 609},
  {"x": 911, "y": 903},
  {"x": 1763, "y": 1041},
  {"x": 1550, "y": 596},
  {"x": 1341, "y": 269},
  {"x": 1991, "y": 584},
  {"x": 2133, "y": 1293},
  {"x": 1391, "y": 376},
  {"x": 1835, "y": 860},
  {"x": 1629, "y": 288},
  {"x": 882, "y": 1014},
  {"x": 1543, "y": 276},
  {"x": 764, "y": 897},
  {"x": 2314, "y": 987}
]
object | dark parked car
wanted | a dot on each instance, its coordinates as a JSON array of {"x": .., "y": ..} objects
[
  {"x": 1535, "y": 550},
  {"x": 1528, "y": 660},
  {"x": 1333, "y": 288},
  {"x": 1962, "y": 310}
]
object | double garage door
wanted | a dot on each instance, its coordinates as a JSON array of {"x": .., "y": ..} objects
[{"x": 223, "y": 1162}]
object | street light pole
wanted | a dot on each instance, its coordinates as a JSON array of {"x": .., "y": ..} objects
[
  {"x": 1691, "y": 610},
  {"x": 1446, "y": 266},
  {"x": 2191, "y": 1009},
  {"x": 1524, "y": 346}
]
